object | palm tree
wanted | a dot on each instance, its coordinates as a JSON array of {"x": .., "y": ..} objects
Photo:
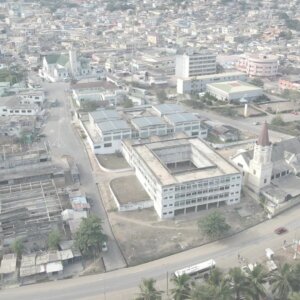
[
  {"x": 221, "y": 286},
  {"x": 148, "y": 290},
  {"x": 182, "y": 287},
  {"x": 215, "y": 277},
  {"x": 203, "y": 292},
  {"x": 223, "y": 291},
  {"x": 239, "y": 283},
  {"x": 294, "y": 296},
  {"x": 257, "y": 277},
  {"x": 281, "y": 281}
]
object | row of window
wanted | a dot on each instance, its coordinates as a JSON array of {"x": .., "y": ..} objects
[
  {"x": 201, "y": 199},
  {"x": 200, "y": 192}
]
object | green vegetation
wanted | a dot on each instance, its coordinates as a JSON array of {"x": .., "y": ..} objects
[
  {"x": 161, "y": 96},
  {"x": 127, "y": 103},
  {"x": 213, "y": 225},
  {"x": 181, "y": 288},
  {"x": 89, "y": 237},
  {"x": 18, "y": 248},
  {"x": 277, "y": 121},
  {"x": 291, "y": 128},
  {"x": 54, "y": 240},
  {"x": 227, "y": 111},
  {"x": 292, "y": 95},
  {"x": 237, "y": 284},
  {"x": 148, "y": 290},
  {"x": 12, "y": 75},
  {"x": 257, "y": 82}
]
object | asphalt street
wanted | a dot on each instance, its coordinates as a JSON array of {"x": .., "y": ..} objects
[
  {"x": 64, "y": 140},
  {"x": 123, "y": 283}
]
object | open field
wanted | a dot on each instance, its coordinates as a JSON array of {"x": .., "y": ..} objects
[{"x": 143, "y": 237}]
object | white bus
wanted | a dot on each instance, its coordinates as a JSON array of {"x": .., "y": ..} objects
[{"x": 196, "y": 269}]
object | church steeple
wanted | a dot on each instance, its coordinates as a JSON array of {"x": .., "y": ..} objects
[{"x": 263, "y": 139}]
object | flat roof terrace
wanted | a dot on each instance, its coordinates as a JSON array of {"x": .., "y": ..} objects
[{"x": 208, "y": 163}]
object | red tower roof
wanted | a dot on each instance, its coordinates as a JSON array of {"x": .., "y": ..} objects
[{"x": 263, "y": 139}]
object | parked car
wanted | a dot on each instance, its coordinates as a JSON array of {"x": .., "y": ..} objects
[
  {"x": 104, "y": 247},
  {"x": 280, "y": 230}
]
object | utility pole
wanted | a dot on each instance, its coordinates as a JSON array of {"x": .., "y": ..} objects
[{"x": 167, "y": 283}]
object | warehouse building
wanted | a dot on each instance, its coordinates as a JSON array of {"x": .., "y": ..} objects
[{"x": 233, "y": 91}]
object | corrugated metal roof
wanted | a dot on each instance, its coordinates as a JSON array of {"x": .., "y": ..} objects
[
  {"x": 147, "y": 121},
  {"x": 113, "y": 125},
  {"x": 168, "y": 108},
  {"x": 181, "y": 117},
  {"x": 104, "y": 115}
]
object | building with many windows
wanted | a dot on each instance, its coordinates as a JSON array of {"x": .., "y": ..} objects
[
  {"x": 258, "y": 65},
  {"x": 105, "y": 129},
  {"x": 183, "y": 175},
  {"x": 195, "y": 63},
  {"x": 198, "y": 84}
]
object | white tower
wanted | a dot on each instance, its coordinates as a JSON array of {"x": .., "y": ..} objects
[
  {"x": 261, "y": 165},
  {"x": 74, "y": 70}
]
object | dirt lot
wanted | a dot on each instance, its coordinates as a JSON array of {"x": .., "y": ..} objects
[
  {"x": 112, "y": 161},
  {"x": 128, "y": 189},
  {"x": 143, "y": 237},
  {"x": 277, "y": 107},
  {"x": 251, "y": 111}
]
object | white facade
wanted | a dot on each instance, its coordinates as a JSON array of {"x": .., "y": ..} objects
[
  {"x": 193, "y": 63},
  {"x": 198, "y": 84},
  {"x": 186, "y": 191},
  {"x": 259, "y": 66},
  {"x": 233, "y": 91}
]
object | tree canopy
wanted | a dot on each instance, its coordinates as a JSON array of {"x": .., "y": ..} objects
[
  {"x": 90, "y": 236},
  {"x": 213, "y": 225}
]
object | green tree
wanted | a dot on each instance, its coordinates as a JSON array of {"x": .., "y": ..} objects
[
  {"x": 257, "y": 82},
  {"x": 257, "y": 278},
  {"x": 148, "y": 290},
  {"x": 17, "y": 247},
  {"x": 127, "y": 103},
  {"x": 182, "y": 288},
  {"x": 214, "y": 225},
  {"x": 215, "y": 277},
  {"x": 54, "y": 239},
  {"x": 203, "y": 292},
  {"x": 239, "y": 284},
  {"x": 161, "y": 96},
  {"x": 282, "y": 281},
  {"x": 89, "y": 237},
  {"x": 277, "y": 121}
]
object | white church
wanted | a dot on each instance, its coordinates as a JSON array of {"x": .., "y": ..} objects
[
  {"x": 60, "y": 67},
  {"x": 272, "y": 171}
]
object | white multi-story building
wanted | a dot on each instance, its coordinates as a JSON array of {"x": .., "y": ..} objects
[
  {"x": 14, "y": 106},
  {"x": 193, "y": 63},
  {"x": 105, "y": 130},
  {"x": 198, "y": 84},
  {"x": 186, "y": 122},
  {"x": 183, "y": 175},
  {"x": 258, "y": 66}
]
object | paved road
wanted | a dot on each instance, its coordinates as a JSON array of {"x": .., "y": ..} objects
[
  {"x": 122, "y": 284},
  {"x": 63, "y": 140},
  {"x": 248, "y": 123}
]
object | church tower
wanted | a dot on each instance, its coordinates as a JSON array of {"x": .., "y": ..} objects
[{"x": 261, "y": 165}]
